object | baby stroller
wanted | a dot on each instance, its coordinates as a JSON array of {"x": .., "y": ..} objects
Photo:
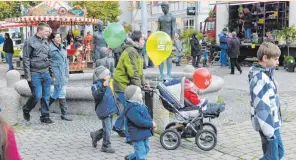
[{"x": 190, "y": 117}]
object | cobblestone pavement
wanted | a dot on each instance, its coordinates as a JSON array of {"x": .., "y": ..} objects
[{"x": 236, "y": 137}]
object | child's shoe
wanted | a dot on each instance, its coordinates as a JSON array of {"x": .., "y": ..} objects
[
  {"x": 107, "y": 149},
  {"x": 96, "y": 136}
]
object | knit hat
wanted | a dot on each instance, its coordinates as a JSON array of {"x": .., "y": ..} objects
[
  {"x": 133, "y": 92},
  {"x": 100, "y": 73}
]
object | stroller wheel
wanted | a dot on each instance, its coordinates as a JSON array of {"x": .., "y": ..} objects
[
  {"x": 170, "y": 139},
  {"x": 209, "y": 126},
  {"x": 206, "y": 140}
]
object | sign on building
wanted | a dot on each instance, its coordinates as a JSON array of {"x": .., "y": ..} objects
[{"x": 191, "y": 11}]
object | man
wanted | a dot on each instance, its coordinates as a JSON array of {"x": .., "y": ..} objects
[
  {"x": 98, "y": 41},
  {"x": 150, "y": 63},
  {"x": 129, "y": 71},
  {"x": 223, "y": 47},
  {"x": 38, "y": 72},
  {"x": 247, "y": 24},
  {"x": 233, "y": 52},
  {"x": 167, "y": 24}
]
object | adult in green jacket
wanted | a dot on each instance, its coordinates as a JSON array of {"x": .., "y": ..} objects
[{"x": 129, "y": 71}]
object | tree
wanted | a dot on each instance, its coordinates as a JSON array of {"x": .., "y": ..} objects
[
  {"x": 10, "y": 9},
  {"x": 103, "y": 10},
  {"x": 288, "y": 34}
]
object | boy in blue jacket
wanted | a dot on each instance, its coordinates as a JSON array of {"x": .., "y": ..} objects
[
  {"x": 105, "y": 107},
  {"x": 139, "y": 122},
  {"x": 265, "y": 106}
]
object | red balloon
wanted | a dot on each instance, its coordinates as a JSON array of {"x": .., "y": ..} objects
[{"x": 202, "y": 78}]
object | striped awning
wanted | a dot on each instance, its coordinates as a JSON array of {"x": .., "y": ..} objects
[
  {"x": 62, "y": 19},
  {"x": 5, "y": 25}
]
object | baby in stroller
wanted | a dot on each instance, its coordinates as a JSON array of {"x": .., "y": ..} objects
[{"x": 180, "y": 97}]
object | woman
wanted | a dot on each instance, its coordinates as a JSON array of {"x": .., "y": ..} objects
[
  {"x": 60, "y": 67},
  {"x": 8, "y": 147},
  {"x": 178, "y": 51},
  {"x": 8, "y": 49},
  {"x": 195, "y": 50},
  {"x": 70, "y": 37}
]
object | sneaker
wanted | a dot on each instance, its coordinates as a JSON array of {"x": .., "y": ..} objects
[
  {"x": 94, "y": 142},
  {"x": 46, "y": 120},
  {"x": 120, "y": 133},
  {"x": 107, "y": 149},
  {"x": 26, "y": 115}
]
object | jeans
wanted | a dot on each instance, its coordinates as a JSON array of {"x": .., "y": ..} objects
[
  {"x": 248, "y": 33},
  {"x": 196, "y": 60},
  {"x": 223, "y": 57},
  {"x": 59, "y": 92},
  {"x": 121, "y": 123},
  {"x": 169, "y": 68},
  {"x": 178, "y": 58},
  {"x": 107, "y": 127},
  {"x": 8, "y": 57},
  {"x": 146, "y": 60},
  {"x": 40, "y": 89},
  {"x": 273, "y": 149},
  {"x": 141, "y": 149}
]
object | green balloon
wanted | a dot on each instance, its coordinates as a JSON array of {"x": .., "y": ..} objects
[{"x": 114, "y": 35}]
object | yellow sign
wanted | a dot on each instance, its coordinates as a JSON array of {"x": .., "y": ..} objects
[{"x": 252, "y": 45}]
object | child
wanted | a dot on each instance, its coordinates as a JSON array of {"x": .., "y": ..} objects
[
  {"x": 205, "y": 50},
  {"x": 190, "y": 93},
  {"x": 8, "y": 147},
  {"x": 105, "y": 107},
  {"x": 139, "y": 122},
  {"x": 265, "y": 107}
]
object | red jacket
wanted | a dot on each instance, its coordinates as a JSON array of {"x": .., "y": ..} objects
[
  {"x": 11, "y": 150},
  {"x": 192, "y": 96}
]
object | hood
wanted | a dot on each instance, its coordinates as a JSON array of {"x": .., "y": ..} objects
[
  {"x": 104, "y": 52},
  {"x": 256, "y": 68},
  {"x": 130, "y": 43},
  {"x": 130, "y": 104}
]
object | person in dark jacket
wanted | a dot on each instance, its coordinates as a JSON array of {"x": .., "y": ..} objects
[
  {"x": 60, "y": 68},
  {"x": 247, "y": 24},
  {"x": 38, "y": 72},
  {"x": 105, "y": 107},
  {"x": 139, "y": 122},
  {"x": 195, "y": 50},
  {"x": 233, "y": 52},
  {"x": 8, "y": 49},
  {"x": 70, "y": 37}
]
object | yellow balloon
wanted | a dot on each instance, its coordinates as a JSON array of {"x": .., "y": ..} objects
[
  {"x": 76, "y": 33},
  {"x": 159, "y": 47}
]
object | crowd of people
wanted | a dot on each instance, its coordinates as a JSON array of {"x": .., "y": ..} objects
[{"x": 45, "y": 61}]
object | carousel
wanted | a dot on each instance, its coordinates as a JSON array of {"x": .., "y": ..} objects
[{"x": 58, "y": 14}]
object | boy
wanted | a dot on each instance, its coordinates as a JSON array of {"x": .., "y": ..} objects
[
  {"x": 105, "y": 107},
  {"x": 139, "y": 122},
  {"x": 265, "y": 107},
  {"x": 205, "y": 50}
]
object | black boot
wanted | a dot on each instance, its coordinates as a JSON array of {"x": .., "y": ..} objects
[
  {"x": 51, "y": 100},
  {"x": 107, "y": 149},
  {"x": 96, "y": 136},
  {"x": 63, "y": 106}
]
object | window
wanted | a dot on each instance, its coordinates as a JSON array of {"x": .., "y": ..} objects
[
  {"x": 188, "y": 24},
  {"x": 210, "y": 26},
  {"x": 138, "y": 4}
]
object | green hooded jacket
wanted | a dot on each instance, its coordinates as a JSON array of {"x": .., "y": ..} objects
[{"x": 129, "y": 69}]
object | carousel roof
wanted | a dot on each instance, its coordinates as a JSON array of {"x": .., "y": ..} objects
[
  {"x": 6, "y": 25},
  {"x": 53, "y": 11}
]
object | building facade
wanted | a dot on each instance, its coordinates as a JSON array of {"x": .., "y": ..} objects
[{"x": 178, "y": 9}]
